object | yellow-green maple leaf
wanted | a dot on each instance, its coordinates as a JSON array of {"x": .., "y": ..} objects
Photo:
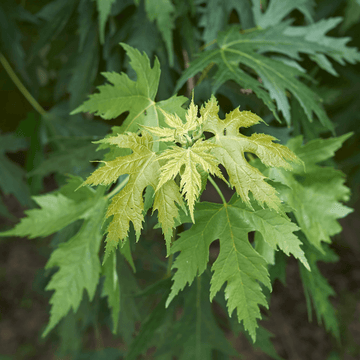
[
  {"x": 128, "y": 205},
  {"x": 165, "y": 203},
  {"x": 184, "y": 161},
  {"x": 231, "y": 148},
  {"x": 179, "y": 131}
]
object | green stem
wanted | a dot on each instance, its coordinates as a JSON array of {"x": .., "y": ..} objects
[
  {"x": 20, "y": 86},
  {"x": 217, "y": 189},
  {"x": 118, "y": 188}
]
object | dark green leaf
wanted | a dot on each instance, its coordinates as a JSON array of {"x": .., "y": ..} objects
[
  {"x": 104, "y": 9},
  {"x": 317, "y": 290},
  {"x": 79, "y": 266},
  {"x": 278, "y": 9},
  {"x": 56, "y": 15},
  {"x": 111, "y": 289}
]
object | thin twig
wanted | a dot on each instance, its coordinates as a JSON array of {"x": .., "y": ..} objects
[
  {"x": 217, "y": 189},
  {"x": 21, "y": 86},
  {"x": 190, "y": 84}
]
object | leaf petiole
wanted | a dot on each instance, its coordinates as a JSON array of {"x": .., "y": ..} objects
[
  {"x": 118, "y": 188},
  {"x": 21, "y": 86},
  {"x": 217, "y": 189}
]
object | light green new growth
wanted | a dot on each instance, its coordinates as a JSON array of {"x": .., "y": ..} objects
[
  {"x": 231, "y": 148},
  {"x": 186, "y": 160},
  {"x": 143, "y": 170},
  {"x": 178, "y": 170}
]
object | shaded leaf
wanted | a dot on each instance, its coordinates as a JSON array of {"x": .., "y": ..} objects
[
  {"x": 104, "y": 9},
  {"x": 11, "y": 38},
  {"x": 236, "y": 50},
  {"x": 318, "y": 290},
  {"x": 111, "y": 289},
  {"x": 56, "y": 15},
  {"x": 85, "y": 69},
  {"x": 149, "y": 326},
  {"x": 73, "y": 159},
  {"x": 278, "y": 9},
  {"x": 163, "y": 12},
  {"x": 315, "y": 195},
  {"x": 197, "y": 334},
  {"x": 12, "y": 180},
  {"x": 79, "y": 266}
]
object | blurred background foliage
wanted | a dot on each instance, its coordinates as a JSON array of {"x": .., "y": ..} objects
[{"x": 52, "y": 54}]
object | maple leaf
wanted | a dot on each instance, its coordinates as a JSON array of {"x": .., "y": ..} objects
[
  {"x": 184, "y": 162},
  {"x": 104, "y": 9},
  {"x": 177, "y": 130},
  {"x": 77, "y": 258},
  {"x": 163, "y": 12},
  {"x": 231, "y": 148},
  {"x": 278, "y": 9},
  {"x": 190, "y": 160},
  {"x": 278, "y": 76},
  {"x": 165, "y": 201},
  {"x": 198, "y": 334},
  {"x": 128, "y": 205},
  {"x": 318, "y": 290},
  {"x": 332, "y": 47},
  {"x": 238, "y": 263},
  {"x": 315, "y": 151},
  {"x": 111, "y": 288},
  {"x": 315, "y": 195},
  {"x": 57, "y": 210},
  {"x": 136, "y": 97},
  {"x": 235, "y": 48},
  {"x": 79, "y": 266}
]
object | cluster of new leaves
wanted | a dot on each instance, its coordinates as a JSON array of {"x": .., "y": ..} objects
[
  {"x": 192, "y": 155},
  {"x": 189, "y": 154}
]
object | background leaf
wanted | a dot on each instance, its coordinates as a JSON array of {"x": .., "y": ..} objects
[{"x": 104, "y": 9}]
